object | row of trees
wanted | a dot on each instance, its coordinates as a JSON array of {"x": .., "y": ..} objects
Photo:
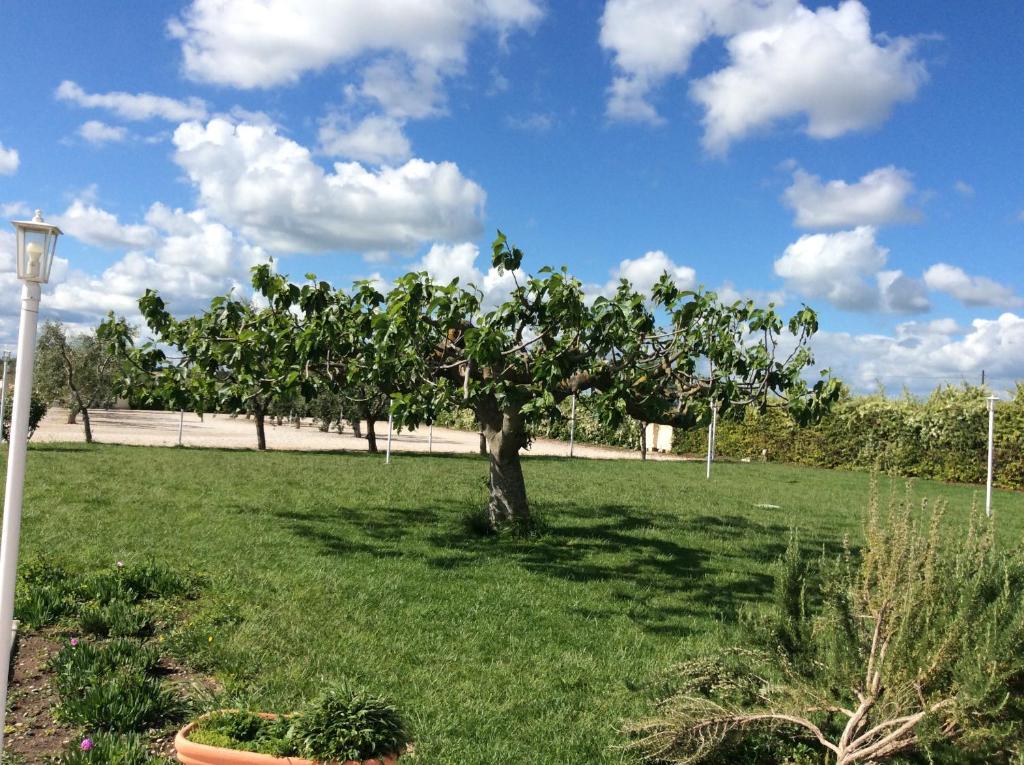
[{"x": 425, "y": 347}]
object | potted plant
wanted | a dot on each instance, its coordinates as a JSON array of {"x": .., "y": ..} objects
[{"x": 342, "y": 727}]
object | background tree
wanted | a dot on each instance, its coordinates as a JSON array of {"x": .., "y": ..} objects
[
  {"x": 432, "y": 345},
  {"x": 76, "y": 371},
  {"x": 233, "y": 357}
]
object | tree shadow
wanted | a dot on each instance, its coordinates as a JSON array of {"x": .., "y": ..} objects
[{"x": 639, "y": 558}]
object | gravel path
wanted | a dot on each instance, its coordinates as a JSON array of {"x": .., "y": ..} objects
[{"x": 125, "y": 426}]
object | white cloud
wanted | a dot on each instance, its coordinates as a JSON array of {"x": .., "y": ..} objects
[
  {"x": 375, "y": 139},
  {"x": 824, "y": 65},
  {"x": 269, "y": 188},
  {"x": 728, "y": 293},
  {"x": 878, "y": 198},
  {"x": 898, "y": 293},
  {"x": 9, "y": 160},
  {"x": 400, "y": 89},
  {"x": 971, "y": 290},
  {"x": 15, "y": 210},
  {"x": 964, "y": 189},
  {"x": 446, "y": 262},
  {"x": 274, "y": 42},
  {"x": 847, "y": 269},
  {"x": 652, "y": 40},
  {"x": 191, "y": 260},
  {"x": 921, "y": 356},
  {"x": 644, "y": 272},
  {"x": 93, "y": 225},
  {"x": 134, "y": 106},
  {"x": 538, "y": 122},
  {"x": 98, "y": 133}
]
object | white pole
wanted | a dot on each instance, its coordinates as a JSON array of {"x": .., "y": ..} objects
[
  {"x": 714, "y": 432},
  {"x": 3, "y": 390},
  {"x": 18, "y": 445},
  {"x": 572, "y": 426},
  {"x": 991, "y": 432},
  {"x": 430, "y": 439},
  {"x": 387, "y": 460},
  {"x": 181, "y": 424},
  {"x": 711, "y": 438}
]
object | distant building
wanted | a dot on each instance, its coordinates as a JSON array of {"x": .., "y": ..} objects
[{"x": 659, "y": 437}]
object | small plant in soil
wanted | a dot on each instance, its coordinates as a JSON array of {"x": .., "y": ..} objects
[
  {"x": 46, "y": 594},
  {"x": 118, "y": 618},
  {"x": 348, "y": 724},
  {"x": 83, "y": 663},
  {"x": 107, "y": 749},
  {"x": 247, "y": 732},
  {"x": 142, "y": 581},
  {"x": 125, "y": 700}
]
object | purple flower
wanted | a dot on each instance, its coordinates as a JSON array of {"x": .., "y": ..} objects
[
  {"x": 74, "y": 642},
  {"x": 86, "y": 744}
]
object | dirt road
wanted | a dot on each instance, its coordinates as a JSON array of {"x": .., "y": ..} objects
[{"x": 121, "y": 426}]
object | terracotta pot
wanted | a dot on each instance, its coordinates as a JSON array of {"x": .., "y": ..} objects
[{"x": 190, "y": 753}]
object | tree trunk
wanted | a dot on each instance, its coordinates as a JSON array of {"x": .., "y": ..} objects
[
  {"x": 356, "y": 428},
  {"x": 643, "y": 440},
  {"x": 483, "y": 444},
  {"x": 505, "y": 436},
  {"x": 261, "y": 432},
  {"x": 371, "y": 435},
  {"x": 72, "y": 416},
  {"x": 87, "y": 425}
]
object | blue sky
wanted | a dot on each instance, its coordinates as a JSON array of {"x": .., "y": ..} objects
[{"x": 862, "y": 157}]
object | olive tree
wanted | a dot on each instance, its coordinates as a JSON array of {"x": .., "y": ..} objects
[{"x": 77, "y": 371}]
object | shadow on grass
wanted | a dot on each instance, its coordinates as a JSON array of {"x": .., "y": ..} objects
[{"x": 636, "y": 557}]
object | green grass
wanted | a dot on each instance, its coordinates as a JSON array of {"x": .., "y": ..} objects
[{"x": 332, "y": 566}]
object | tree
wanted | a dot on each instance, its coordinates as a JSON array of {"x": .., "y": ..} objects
[
  {"x": 234, "y": 356},
  {"x": 432, "y": 345},
  {"x": 78, "y": 371}
]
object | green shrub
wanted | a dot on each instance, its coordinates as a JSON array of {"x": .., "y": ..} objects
[
  {"x": 36, "y": 411},
  {"x": 106, "y": 749},
  {"x": 44, "y": 606},
  {"x": 122, "y": 701},
  {"x": 348, "y": 724},
  {"x": 82, "y": 664},
  {"x": 46, "y": 593},
  {"x": 912, "y": 650},
  {"x": 342, "y": 724},
  {"x": 137, "y": 582},
  {"x": 118, "y": 618},
  {"x": 247, "y": 732},
  {"x": 943, "y": 436}
]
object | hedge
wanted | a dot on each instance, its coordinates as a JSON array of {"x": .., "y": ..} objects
[{"x": 943, "y": 436}]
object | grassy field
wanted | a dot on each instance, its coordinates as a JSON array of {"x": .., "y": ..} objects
[{"x": 324, "y": 566}]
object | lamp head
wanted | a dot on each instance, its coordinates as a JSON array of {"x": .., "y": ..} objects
[{"x": 36, "y": 245}]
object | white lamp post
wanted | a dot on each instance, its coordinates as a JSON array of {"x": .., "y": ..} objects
[{"x": 36, "y": 243}]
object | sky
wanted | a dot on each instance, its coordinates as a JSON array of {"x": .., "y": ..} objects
[{"x": 864, "y": 158}]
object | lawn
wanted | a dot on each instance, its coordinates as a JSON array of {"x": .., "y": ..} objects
[{"x": 331, "y": 566}]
